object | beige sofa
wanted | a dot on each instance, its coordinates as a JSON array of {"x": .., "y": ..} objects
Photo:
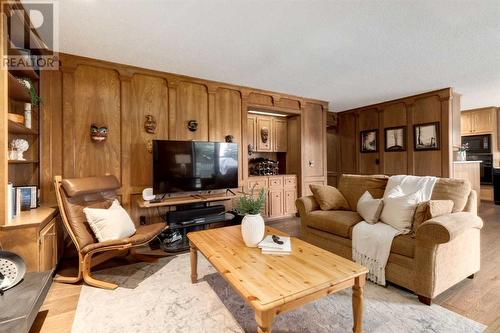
[{"x": 440, "y": 253}]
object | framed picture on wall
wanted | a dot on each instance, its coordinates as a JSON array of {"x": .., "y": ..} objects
[
  {"x": 426, "y": 136},
  {"x": 395, "y": 139},
  {"x": 369, "y": 141}
]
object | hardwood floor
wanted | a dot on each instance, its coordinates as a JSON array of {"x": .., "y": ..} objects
[{"x": 478, "y": 299}]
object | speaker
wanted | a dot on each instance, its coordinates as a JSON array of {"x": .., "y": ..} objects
[{"x": 194, "y": 213}]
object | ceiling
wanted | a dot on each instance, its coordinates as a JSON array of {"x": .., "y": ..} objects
[{"x": 350, "y": 53}]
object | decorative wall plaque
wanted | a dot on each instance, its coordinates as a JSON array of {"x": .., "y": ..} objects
[
  {"x": 150, "y": 124},
  {"x": 98, "y": 133}
]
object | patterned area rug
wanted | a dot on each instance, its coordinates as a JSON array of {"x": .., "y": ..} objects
[{"x": 160, "y": 298}]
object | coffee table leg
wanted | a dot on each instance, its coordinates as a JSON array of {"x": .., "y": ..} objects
[
  {"x": 264, "y": 321},
  {"x": 194, "y": 262},
  {"x": 357, "y": 303}
]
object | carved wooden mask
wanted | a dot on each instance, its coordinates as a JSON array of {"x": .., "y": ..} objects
[{"x": 264, "y": 134}]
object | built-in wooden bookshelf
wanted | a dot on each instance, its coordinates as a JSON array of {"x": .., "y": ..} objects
[{"x": 34, "y": 234}]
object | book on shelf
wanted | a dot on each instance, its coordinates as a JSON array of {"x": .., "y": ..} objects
[
  {"x": 269, "y": 246},
  {"x": 12, "y": 202}
]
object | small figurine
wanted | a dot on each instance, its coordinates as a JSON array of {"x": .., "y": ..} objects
[
  {"x": 97, "y": 133},
  {"x": 19, "y": 146},
  {"x": 150, "y": 124}
]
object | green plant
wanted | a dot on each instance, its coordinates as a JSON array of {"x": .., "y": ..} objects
[
  {"x": 249, "y": 204},
  {"x": 27, "y": 83}
]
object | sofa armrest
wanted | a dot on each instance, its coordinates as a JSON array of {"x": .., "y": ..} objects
[
  {"x": 305, "y": 205},
  {"x": 445, "y": 228}
]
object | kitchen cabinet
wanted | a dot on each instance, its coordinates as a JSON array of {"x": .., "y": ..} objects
[
  {"x": 478, "y": 121},
  {"x": 280, "y": 135}
]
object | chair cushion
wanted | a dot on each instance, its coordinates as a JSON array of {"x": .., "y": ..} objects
[
  {"x": 144, "y": 234},
  {"x": 109, "y": 224},
  {"x": 86, "y": 185},
  {"x": 338, "y": 222},
  {"x": 353, "y": 187},
  {"x": 328, "y": 197},
  {"x": 456, "y": 190},
  {"x": 404, "y": 245}
]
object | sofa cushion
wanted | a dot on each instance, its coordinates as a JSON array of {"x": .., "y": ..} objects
[
  {"x": 369, "y": 208},
  {"x": 338, "y": 222},
  {"x": 456, "y": 190},
  {"x": 404, "y": 245},
  {"x": 353, "y": 187},
  {"x": 429, "y": 209},
  {"x": 328, "y": 197}
]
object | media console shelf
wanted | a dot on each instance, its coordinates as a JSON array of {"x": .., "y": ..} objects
[{"x": 185, "y": 200}]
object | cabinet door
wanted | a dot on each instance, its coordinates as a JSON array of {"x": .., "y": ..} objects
[
  {"x": 251, "y": 130},
  {"x": 275, "y": 203},
  {"x": 290, "y": 197},
  {"x": 483, "y": 121},
  {"x": 48, "y": 247},
  {"x": 264, "y": 134},
  {"x": 280, "y": 135},
  {"x": 466, "y": 123}
]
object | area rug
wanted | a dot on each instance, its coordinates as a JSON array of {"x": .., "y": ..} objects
[{"x": 160, "y": 298}]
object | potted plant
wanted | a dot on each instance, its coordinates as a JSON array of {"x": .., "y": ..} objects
[
  {"x": 252, "y": 226},
  {"x": 36, "y": 100}
]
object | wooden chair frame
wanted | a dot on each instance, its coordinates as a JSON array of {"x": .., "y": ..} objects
[{"x": 94, "y": 257}]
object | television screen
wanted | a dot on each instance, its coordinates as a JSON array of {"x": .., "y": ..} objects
[{"x": 187, "y": 166}]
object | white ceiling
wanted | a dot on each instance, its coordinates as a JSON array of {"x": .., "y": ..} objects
[{"x": 350, "y": 53}]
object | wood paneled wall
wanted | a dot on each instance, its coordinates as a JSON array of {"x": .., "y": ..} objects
[
  {"x": 86, "y": 91},
  {"x": 436, "y": 106}
]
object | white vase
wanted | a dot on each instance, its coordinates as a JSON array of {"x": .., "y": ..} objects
[
  {"x": 27, "y": 115},
  {"x": 252, "y": 229}
]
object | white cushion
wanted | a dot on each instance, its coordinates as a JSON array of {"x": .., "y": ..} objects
[
  {"x": 110, "y": 224},
  {"x": 399, "y": 208},
  {"x": 369, "y": 208}
]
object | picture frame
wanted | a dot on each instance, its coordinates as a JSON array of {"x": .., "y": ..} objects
[
  {"x": 426, "y": 136},
  {"x": 369, "y": 141},
  {"x": 26, "y": 197},
  {"x": 395, "y": 139}
]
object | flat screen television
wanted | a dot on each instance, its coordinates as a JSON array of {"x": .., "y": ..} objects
[{"x": 189, "y": 166}]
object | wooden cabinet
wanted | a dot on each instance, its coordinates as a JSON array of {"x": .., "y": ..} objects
[
  {"x": 466, "y": 123},
  {"x": 275, "y": 202},
  {"x": 281, "y": 196},
  {"x": 263, "y": 134},
  {"x": 37, "y": 236},
  {"x": 478, "y": 121},
  {"x": 251, "y": 132},
  {"x": 47, "y": 247},
  {"x": 289, "y": 205},
  {"x": 280, "y": 135},
  {"x": 274, "y": 128}
]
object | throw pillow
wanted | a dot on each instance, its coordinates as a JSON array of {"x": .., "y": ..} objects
[
  {"x": 110, "y": 224},
  {"x": 369, "y": 208},
  {"x": 329, "y": 198},
  {"x": 430, "y": 209},
  {"x": 399, "y": 208}
]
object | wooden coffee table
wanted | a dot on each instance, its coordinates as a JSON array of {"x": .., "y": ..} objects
[{"x": 275, "y": 284}]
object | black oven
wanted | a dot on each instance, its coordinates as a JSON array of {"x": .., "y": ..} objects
[
  {"x": 486, "y": 166},
  {"x": 478, "y": 144}
]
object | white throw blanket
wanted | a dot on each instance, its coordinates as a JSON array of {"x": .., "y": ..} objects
[{"x": 371, "y": 243}]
